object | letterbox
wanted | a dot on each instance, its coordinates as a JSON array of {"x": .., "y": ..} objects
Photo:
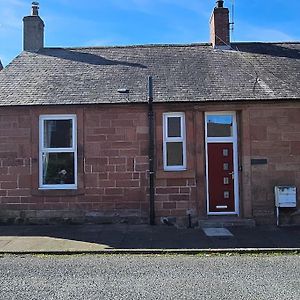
[{"x": 285, "y": 196}]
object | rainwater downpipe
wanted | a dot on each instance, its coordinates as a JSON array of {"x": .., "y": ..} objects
[{"x": 151, "y": 151}]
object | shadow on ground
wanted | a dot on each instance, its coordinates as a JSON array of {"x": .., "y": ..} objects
[{"x": 122, "y": 236}]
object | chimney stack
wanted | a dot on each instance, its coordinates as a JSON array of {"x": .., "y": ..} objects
[
  {"x": 219, "y": 26},
  {"x": 33, "y": 31}
]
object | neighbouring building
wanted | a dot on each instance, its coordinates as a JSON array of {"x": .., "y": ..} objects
[{"x": 74, "y": 130}]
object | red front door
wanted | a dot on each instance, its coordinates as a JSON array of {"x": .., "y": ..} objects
[{"x": 220, "y": 177}]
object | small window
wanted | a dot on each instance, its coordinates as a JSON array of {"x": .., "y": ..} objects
[
  {"x": 174, "y": 142},
  {"x": 219, "y": 126},
  {"x": 58, "y": 152}
]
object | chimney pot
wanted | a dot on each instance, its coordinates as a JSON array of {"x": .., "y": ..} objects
[
  {"x": 35, "y": 9},
  {"x": 220, "y": 3}
]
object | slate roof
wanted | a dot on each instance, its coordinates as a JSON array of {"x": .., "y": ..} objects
[{"x": 181, "y": 73}]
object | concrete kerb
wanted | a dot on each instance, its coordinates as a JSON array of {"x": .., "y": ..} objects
[{"x": 228, "y": 251}]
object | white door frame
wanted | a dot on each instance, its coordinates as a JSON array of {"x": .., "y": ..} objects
[{"x": 233, "y": 140}]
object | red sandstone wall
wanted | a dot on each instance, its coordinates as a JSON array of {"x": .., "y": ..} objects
[
  {"x": 116, "y": 160},
  {"x": 15, "y": 159},
  {"x": 112, "y": 167},
  {"x": 275, "y": 136},
  {"x": 176, "y": 191},
  {"x": 113, "y": 163}
]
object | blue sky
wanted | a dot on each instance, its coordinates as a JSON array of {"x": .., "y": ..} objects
[{"x": 125, "y": 22}]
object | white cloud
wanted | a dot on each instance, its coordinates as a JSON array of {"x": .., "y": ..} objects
[
  {"x": 273, "y": 35},
  {"x": 100, "y": 42},
  {"x": 200, "y": 7},
  {"x": 4, "y": 3},
  {"x": 11, "y": 14},
  {"x": 153, "y": 6},
  {"x": 9, "y": 20},
  {"x": 261, "y": 34}
]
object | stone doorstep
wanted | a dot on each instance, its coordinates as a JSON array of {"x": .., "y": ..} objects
[
  {"x": 220, "y": 222},
  {"x": 217, "y": 232}
]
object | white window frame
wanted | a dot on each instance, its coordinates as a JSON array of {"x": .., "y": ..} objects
[
  {"x": 42, "y": 150},
  {"x": 167, "y": 139}
]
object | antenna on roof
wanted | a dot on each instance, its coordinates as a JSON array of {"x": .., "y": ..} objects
[{"x": 231, "y": 23}]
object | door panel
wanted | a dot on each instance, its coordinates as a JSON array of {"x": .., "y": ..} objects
[{"x": 220, "y": 177}]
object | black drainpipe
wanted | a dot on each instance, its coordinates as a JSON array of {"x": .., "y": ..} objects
[{"x": 151, "y": 150}]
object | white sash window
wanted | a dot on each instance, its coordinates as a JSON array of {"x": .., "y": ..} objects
[
  {"x": 58, "y": 152},
  {"x": 174, "y": 144}
]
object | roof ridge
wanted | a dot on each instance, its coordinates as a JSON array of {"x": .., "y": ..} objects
[
  {"x": 133, "y": 46},
  {"x": 168, "y": 45},
  {"x": 268, "y": 43}
]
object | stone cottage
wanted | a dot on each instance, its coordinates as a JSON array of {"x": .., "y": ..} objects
[{"x": 220, "y": 122}]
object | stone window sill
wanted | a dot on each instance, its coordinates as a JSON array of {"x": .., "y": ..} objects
[{"x": 57, "y": 193}]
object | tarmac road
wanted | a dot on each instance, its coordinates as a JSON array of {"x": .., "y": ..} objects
[{"x": 150, "y": 277}]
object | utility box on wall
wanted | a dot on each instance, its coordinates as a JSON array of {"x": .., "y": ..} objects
[{"x": 285, "y": 196}]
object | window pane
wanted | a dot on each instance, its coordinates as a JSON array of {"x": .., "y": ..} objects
[
  {"x": 58, "y": 133},
  {"x": 219, "y": 126},
  {"x": 175, "y": 154},
  {"x": 58, "y": 168},
  {"x": 174, "y": 126}
]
